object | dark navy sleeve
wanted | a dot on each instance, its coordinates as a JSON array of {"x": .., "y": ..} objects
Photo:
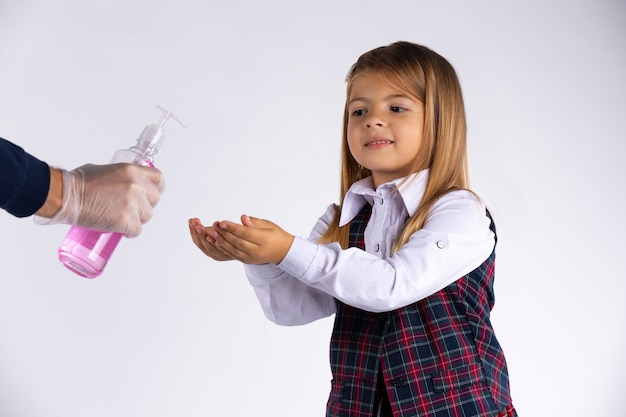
[{"x": 24, "y": 180}]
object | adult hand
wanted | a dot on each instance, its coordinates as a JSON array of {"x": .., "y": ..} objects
[{"x": 110, "y": 198}]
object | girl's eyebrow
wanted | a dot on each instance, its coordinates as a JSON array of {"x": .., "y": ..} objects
[
  {"x": 358, "y": 99},
  {"x": 389, "y": 97}
]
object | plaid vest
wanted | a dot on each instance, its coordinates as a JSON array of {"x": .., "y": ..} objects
[{"x": 438, "y": 357}]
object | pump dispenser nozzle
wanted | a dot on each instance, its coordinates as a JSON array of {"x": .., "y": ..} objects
[
  {"x": 152, "y": 136},
  {"x": 166, "y": 114}
]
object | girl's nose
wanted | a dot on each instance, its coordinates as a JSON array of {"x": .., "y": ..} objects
[{"x": 374, "y": 120}]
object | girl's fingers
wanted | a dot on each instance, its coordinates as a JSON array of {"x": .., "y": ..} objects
[
  {"x": 230, "y": 244},
  {"x": 195, "y": 236},
  {"x": 200, "y": 236}
]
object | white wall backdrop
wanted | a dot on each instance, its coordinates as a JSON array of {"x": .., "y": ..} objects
[{"x": 166, "y": 331}]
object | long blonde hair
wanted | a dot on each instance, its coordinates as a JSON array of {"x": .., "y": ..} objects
[{"x": 429, "y": 77}]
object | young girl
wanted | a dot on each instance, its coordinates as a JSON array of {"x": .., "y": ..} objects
[{"x": 406, "y": 262}]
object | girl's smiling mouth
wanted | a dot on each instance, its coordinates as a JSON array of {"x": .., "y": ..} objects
[{"x": 377, "y": 143}]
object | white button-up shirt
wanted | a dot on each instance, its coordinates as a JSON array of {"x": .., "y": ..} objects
[{"x": 454, "y": 241}]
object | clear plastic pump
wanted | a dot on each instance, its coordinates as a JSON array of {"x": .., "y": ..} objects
[{"x": 85, "y": 251}]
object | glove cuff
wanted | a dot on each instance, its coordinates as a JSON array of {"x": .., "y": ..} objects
[{"x": 73, "y": 184}]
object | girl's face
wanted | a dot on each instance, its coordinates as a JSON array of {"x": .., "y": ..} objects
[{"x": 385, "y": 128}]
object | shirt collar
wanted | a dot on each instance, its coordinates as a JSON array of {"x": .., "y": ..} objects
[{"x": 362, "y": 192}]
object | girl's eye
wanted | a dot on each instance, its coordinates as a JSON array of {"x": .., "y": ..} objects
[
  {"x": 358, "y": 112},
  {"x": 397, "y": 109}
]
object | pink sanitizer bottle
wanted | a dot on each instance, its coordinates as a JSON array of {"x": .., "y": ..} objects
[{"x": 85, "y": 251}]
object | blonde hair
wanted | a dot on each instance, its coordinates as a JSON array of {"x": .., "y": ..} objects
[{"x": 430, "y": 78}]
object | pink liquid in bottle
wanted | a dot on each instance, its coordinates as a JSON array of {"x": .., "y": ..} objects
[{"x": 86, "y": 252}]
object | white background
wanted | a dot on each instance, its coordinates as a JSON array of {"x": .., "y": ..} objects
[{"x": 168, "y": 332}]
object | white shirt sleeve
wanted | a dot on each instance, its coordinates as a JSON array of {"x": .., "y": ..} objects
[
  {"x": 286, "y": 300},
  {"x": 454, "y": 241}
]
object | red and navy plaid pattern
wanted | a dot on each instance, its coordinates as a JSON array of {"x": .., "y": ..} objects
[{"x": 438, "y": 357}]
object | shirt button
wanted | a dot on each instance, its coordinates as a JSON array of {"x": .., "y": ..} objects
[
  {"x": 381, "y": 201},
  {"x": 441, "y": 244},
  {"x": 376, "y": 247}
]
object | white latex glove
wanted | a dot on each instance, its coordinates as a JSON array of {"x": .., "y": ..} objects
[{"x": 110, "y": 198}]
